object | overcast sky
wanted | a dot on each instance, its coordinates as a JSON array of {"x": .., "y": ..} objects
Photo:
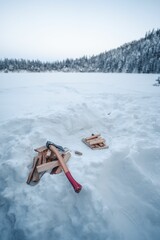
[{"x": 57, "y": 29}]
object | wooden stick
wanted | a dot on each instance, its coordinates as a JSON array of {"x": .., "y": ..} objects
[
  {"x": 50, "y": 165},
  {"x": 44, "y": 160},
  {"x": 35, "y": 161},
  {"x": 92, "y": 137},
  {"x": 40, "y": 158},
  {"x": 35, "y": 177},
  {"x": 40, "y": 149},
  {"x": 97, "y": 141}
]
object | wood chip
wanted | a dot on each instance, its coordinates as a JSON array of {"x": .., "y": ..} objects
[{"x": 78, "y": 153}]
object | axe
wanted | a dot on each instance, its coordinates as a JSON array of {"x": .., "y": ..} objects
[{"x": 55, "y": 149}]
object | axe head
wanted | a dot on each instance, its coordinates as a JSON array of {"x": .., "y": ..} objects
[{"x": 60, "y": 148}]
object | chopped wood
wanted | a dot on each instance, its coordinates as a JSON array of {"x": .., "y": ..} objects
[
  {"x": 44, "y": 160},
  {"x": 48, "y": 153},
  {"x": 53, "y": 157},
  {"x": 41, "y": 149},
  {"x": 58, "y": 170},
  {"x": 47, "y": 166},
  {"x": 35, "y": 177},
  {"x": 50, "y": 165},
  {"x": 35, "y": 161},
  {"x": 101, "y": 144},
  {"x": 92, "y": 137},
  {"x": 40, "y": 156},
  {"x": 97, "y": 145},
  {"x": 96, "y": 141}
]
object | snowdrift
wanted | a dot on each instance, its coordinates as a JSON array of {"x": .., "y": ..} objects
[{"x": 120, "y": 198}]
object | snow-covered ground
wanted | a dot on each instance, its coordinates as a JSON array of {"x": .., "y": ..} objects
[{"x": 120, "y": 199}]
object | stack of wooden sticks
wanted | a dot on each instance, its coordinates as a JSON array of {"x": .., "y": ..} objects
[
  {"x": 45, "y": 161},
  {"x": 95, "y": 141}
]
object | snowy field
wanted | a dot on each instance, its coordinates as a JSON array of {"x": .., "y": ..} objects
[{"x": 120, "y": 199}]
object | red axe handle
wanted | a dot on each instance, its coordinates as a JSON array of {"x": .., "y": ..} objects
[{"x": 77, "y": 187}]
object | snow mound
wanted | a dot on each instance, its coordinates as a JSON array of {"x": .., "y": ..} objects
[{"x": 120, "y": 198}]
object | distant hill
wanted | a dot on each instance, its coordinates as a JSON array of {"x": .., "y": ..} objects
[{"x": 141, "y": 56}]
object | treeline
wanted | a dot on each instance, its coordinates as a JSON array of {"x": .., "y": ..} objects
[{"x": 142, "y": 56}]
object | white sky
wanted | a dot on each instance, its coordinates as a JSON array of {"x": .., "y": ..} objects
[{"x": 57, "y": 29}]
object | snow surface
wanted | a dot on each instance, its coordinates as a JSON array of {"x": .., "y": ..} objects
[{"x": 120, "y": 199}]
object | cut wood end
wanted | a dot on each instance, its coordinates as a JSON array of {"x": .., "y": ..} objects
[{"x": 41, "y": 149}]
